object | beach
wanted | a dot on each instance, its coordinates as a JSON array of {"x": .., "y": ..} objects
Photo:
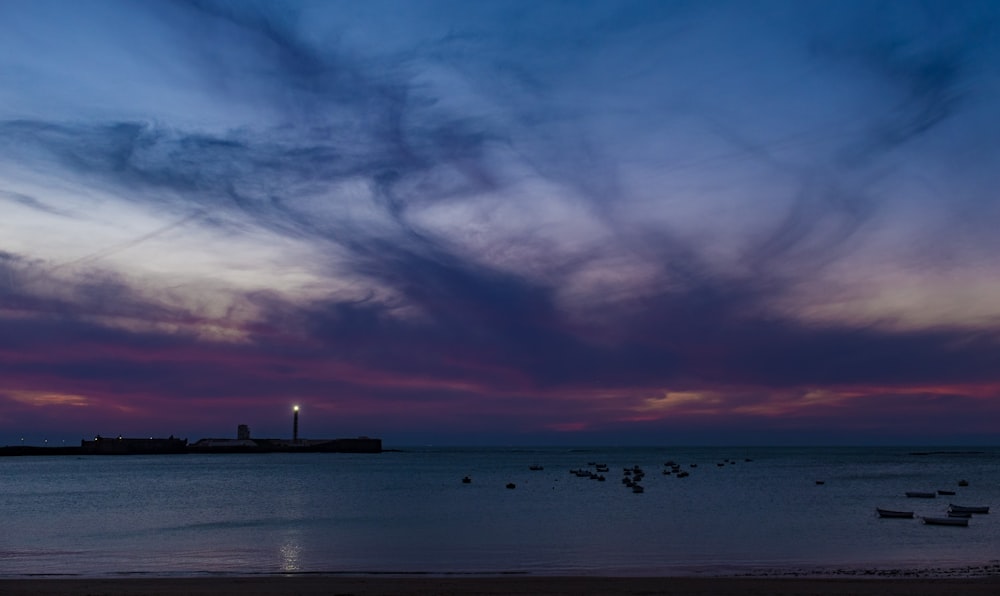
[{"x": 514, "y": 586}]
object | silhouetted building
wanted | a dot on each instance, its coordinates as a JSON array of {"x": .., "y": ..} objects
[{"x": 243, "y": 432}]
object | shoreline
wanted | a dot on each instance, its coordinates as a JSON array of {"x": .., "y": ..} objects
[
  {"x": 844, "y": 570},
  {"x": 519, "y": 585}
]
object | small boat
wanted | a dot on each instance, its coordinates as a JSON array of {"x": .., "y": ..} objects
[
  {"x": 682, "y": 474},
  {"x": 466, "y": 480},
  {"x": 636, "y": 488},
  {"x": 920, "y": 495},
  {"x": 962, "y": 509},
  {"x": 820, "y": 482},
  {"x": 959, "y": 514},
  {"x": 891, "y": 513},
  {"x": 946, "y": 521},
  {"x": 946, "y": 492},
  {"x": 963, "y": 483},
  {"x": 535, "y": 468},
  {"x": 511, "y": 485}
]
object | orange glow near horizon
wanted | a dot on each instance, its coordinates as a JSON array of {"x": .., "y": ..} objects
[{"x": 48, "y": 398}]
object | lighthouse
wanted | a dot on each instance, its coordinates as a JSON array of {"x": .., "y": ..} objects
[{"x": 295, "y": 424}]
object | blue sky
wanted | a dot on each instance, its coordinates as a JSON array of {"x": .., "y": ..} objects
[{"x": 501, "y": 221}]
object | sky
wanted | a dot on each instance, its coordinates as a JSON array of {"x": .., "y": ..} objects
[{"x": 554, "y": 223}]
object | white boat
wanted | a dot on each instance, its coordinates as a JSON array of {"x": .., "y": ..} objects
[
  {"x": 891, "y": 513},
  {"x": 962, "y": 509},
  {"x": 946, "y": 521}
]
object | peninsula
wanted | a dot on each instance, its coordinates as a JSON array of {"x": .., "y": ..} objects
[{"x": 243, "y": 443}]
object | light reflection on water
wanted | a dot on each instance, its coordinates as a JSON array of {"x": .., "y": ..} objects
[
  {"x": 291, "y": 551},
  {"x": 410, "y": 512}
]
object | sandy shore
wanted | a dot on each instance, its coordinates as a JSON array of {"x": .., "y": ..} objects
[{"x": 514, "y": 586}]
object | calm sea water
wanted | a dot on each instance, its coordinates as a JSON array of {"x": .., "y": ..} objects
[{"x": 410, "y": 512}]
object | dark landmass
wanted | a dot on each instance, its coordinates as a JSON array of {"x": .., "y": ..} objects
[
  {"x": 170, "y": 446},
  {"x": 947, "y": 452}
]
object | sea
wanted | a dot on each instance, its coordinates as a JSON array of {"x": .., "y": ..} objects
[{"x": 740, "y": 510}]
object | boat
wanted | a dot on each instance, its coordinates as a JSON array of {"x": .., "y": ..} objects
[
  {"x": 920, "y": 495},
  {"x": 963, "y": 483},
  {"x": 963, "y": 509},
  {"x": 946, "y": 521},
  {"x": 466, "y": 480},
  {"x": 959, "y": 514},
  {"x": 891, "y": 513},
  {"x": 636, "y": 488},
  {"x": 535, "y": 468},
  {"x": 511, "y": 485},
  {"x": 945, "y": 493}
]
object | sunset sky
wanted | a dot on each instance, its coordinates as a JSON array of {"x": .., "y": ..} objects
[{"x": 501, "y": 222}]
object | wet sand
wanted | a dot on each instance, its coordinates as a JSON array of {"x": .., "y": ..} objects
[{"x": 507, "y": 585}]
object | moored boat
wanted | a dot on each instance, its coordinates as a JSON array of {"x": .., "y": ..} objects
[
  {"x": 920, "y": 495},
  {"x": 959, "y": 514},
  {"x": 963, "y": 509},
  {"x": 892, "y": 513},
  {"x": 945, "y": 493},
  {"x": 946, "y": 521}
]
